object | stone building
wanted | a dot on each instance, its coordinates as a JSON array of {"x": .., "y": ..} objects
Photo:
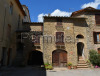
[
  {"x": 66, "y": 39},
  {"x": 57, "y": 40},
  {"x": 11, "y": 18}
]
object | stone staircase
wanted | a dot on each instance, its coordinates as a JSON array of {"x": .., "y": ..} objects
[{"x": 82, "y": 64}]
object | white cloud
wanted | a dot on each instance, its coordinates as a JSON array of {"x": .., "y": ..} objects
[
  {"x": 57, "y": 12},
  {"x": 94, "y": 4}
]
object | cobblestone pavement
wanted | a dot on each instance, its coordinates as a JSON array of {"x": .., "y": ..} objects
[{"x": 30, "y": 71}]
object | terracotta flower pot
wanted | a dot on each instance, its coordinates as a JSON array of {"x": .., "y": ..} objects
[
  {"x": 69, "y": 67},
  {"x": 75, "y": 67}
]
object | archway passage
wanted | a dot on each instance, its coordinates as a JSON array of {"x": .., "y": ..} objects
[
  {"x": 59, "y": 58},
  {"x": 36, "y": 58},
  {"x": 80, "y": 48}
]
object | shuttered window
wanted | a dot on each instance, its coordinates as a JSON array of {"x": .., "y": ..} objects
[
  {"x": 60, "y": 37},
  {"x": 96, "y": 37},
  {"x": 36, "y": 39},
  {"x": 97, "y": 18}
]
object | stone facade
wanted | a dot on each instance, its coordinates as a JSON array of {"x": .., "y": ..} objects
[
  {"x": 19, "y": 49},
  {"x": 9, "y": 17},
  {"x": 82, "y": 23}
]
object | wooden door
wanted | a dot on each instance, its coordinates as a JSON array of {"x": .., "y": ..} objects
[
  {"x": 62, "y": 59},
  {"x": 59, "y": 59},
  {"x": 55, "y": 59}
]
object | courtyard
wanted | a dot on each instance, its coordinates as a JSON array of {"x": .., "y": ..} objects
[{"x": 37, "y": 71}]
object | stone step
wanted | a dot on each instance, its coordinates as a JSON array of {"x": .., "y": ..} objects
[
  {"x": 82, "y": 66},
  {"x": 81, "y": 62}
]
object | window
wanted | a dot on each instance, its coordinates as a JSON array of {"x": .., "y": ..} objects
[
  {"x": 97, "y": 19},
  {"x": 59, "y": 22},
  {"x": 18, "y": 21},
  {"x": 59, "y": 37},
  {"x": 36, "y": 39},
  {"x": 80, "y": 36},
  {"x": 9, "y": 31},
  {"x": 96, "y": 37},
  {"x": 11, "y": 8}
]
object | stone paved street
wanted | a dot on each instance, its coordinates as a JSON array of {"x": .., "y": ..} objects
[{"x": 29, "y": 71}]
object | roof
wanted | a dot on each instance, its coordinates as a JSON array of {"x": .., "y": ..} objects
[
  {"x": 20, "y": 7},
  {"x": 83, "y": 10},
  {"x": 64, "y": 17},
  {"x": 34, "y": 23}
]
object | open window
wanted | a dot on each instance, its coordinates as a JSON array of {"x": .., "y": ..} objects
[
  {"x": 96, "y": 37},
  {"x": 80, "y": 36}
]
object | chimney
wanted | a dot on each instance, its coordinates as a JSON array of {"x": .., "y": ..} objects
[{"x": 49, "y": 14}]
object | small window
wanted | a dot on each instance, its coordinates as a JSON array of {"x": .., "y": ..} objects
[
  {"x": 96, "y": 37},
  {"x": 59, "y": 22},
  {"x": 97, "y": 19},
  {"x": 9, "y": 31},
  {"x": 80, "y": 36},
  {"x": 11, "y": 8}
]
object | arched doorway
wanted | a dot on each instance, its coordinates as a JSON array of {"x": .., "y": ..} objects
[
  {"x": 80, "y": 49},
  {"x": 59, "y": 58},
  {"x": 35, "y": 58}
]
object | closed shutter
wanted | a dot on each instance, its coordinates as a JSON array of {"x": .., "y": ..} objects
[
  {"x": 59, "y": 37},
  {"x": 97, "y": 18},
  {"x": 36, "y": 39},
  {"x": 95, "y": 37}
]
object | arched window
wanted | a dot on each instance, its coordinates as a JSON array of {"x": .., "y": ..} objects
[{"x": 79, "y": 36}]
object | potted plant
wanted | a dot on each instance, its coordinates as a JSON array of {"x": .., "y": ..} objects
[
  {"x": 74, "y": 66},
  {"x": 69, "y": 65},
  {"x": 48, "y": 66}
]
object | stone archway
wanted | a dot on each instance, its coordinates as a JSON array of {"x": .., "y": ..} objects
[
  {"x": 59, "y": 58},
  {"x": 80, "y": 49},
  {"x": 35, "y": 58}
]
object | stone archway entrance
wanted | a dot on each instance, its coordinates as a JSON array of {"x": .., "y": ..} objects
[
  {"x": 36, "y": 58},
  {"x": 80, "y": 49},
  {"x": 59, "y": 58}
]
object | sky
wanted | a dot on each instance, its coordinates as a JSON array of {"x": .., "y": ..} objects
[{"x": 40, "y": 8}]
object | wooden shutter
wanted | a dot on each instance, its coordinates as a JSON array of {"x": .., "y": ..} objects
[
  {"x": 36, "y": 39},
  {"x": 95, "y": 37},
  {"x": 97, "y": 18},
  {"x": 59, "y": 37}
]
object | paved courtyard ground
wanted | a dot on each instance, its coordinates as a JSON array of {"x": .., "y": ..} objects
[{"x": 33, "y": 71}]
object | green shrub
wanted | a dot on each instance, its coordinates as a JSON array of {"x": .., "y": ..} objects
[
  {"x": 94, "y": 58},
  {"x": 48, "y": 66},
  {"x": 69, "y": 64}
]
